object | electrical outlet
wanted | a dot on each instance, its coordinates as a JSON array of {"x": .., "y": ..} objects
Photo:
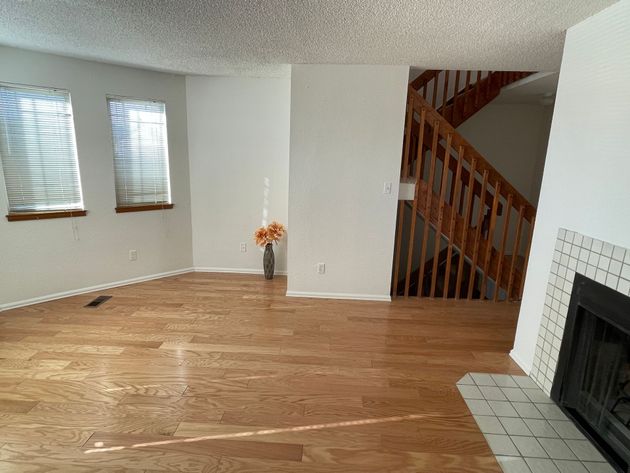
[
  {"x": 243, "y": 247},
  {"x": 133, "y": 255},
  {"x": 387, "y": 188},
  {"x": 321, "y": 268}
]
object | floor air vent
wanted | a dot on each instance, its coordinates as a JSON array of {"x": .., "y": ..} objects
[{"x": 98, "y": 301}]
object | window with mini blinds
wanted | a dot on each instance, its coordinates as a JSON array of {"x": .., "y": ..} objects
[
  {"x": 38, "y": 151},
  {"x": 140, "y": 153}
]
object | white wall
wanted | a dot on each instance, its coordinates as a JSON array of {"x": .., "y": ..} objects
[
  {"x": 347, "y": 125},
  {"x": 238, "y": 131},
  {"x": 39, "y": 258},
  {"x": 587, "y": 171},
  {"x": 513, "y": 137}
]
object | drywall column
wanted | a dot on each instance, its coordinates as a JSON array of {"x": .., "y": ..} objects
[
  {"x": 347, "y": 125},
  {"x": 238, "y": 140},
  {"x": 587, "y": 170}
]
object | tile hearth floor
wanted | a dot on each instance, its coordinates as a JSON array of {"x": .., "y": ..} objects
[{"x": 525, "y": 429}]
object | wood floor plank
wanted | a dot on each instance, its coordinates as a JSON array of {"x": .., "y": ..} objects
[
  {"x": 145, "y": 409},
  {"x": 101, "y": 341},
  {"x": 239, "y": 465},
  {"x": 357, "y": 459},
  {"x": 197, "y": 407},
  {"x": 8, "y": 364},
  {"x": 200, "y": 445},
  {"x": 324, "y": 436},
  {"x": 34, "y": 467},
  {"x": 164, "y": 460},
  {"x": 59, "y": 391},
  {"x": 43, "y": 434},
  {"x": 13, "y": 353},
  {"x": 52, "y": 374},
  {"x": 428, "y": 441},
  {"x": 50, "y": 344},
  {"x": 216, "y": 373},
  {"x": 130, "y": 424},
  {"x": 12, "y": 406}
]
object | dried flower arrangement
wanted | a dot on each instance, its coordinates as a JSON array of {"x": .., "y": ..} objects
[{"x": 269, "y": 234}]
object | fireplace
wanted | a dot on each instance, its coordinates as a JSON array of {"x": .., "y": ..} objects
[{"x": 592, "y": 379}]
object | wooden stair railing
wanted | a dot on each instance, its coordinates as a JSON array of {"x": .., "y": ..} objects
[
  {"x": 458, "y": 95},
  {"x": 458, "y": 198}
]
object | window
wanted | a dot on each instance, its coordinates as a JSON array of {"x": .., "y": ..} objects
[
  {"x": 39, "y": 154},
  {"x": 140, "y": 154}
]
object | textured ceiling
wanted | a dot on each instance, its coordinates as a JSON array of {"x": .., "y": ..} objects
[{"x": 260, "y": 37}]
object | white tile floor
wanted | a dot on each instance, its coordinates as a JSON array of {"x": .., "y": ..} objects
[{"x": 526, "y": 431}]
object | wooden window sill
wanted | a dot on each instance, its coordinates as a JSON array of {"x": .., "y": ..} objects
[
  {"x": 16, "y": 217},
  {"x": 142, "y": 208}
]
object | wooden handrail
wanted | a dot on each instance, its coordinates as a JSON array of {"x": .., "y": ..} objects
[{"x": 424, "y": 78}]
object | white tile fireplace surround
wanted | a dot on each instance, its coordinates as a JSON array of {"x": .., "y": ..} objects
[{"x": 605, "y": 263}]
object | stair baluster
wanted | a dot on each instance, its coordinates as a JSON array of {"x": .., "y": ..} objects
[
  {"x": 429, "y": 195},
  {"x": 451, "y": 226}
]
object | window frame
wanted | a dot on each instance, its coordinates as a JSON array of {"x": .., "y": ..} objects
[
  {"x": 46, "y": 214},
  {"x": 140, "y": 207}
]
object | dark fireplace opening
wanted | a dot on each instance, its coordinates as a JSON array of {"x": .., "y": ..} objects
[{"x": 592, "y": 381}]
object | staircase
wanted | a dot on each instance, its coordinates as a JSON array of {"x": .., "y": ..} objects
[{"x": 467, "y": 231}]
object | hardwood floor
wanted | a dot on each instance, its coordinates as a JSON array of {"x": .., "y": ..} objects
[{"x": 223, "y": 373}]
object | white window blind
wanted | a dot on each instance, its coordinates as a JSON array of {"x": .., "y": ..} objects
[
  {"x": 140, "y": 151},
  {"x": 38, "y": 150}
]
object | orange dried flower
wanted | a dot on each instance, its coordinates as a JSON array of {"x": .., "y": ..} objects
[
  {"x": 260, "y": 236},
  {"x": 275, "y": 231}
]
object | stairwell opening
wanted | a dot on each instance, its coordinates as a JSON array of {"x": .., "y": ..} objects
[{"x": 467, "y": 231}]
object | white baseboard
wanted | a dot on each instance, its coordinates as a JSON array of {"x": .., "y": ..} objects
[
  {"x": 524, "y": 366},
  {"x": 98, "y": 287},
  {"x": 202, "y": 269},
  {"x": 340, "y": 295}
]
